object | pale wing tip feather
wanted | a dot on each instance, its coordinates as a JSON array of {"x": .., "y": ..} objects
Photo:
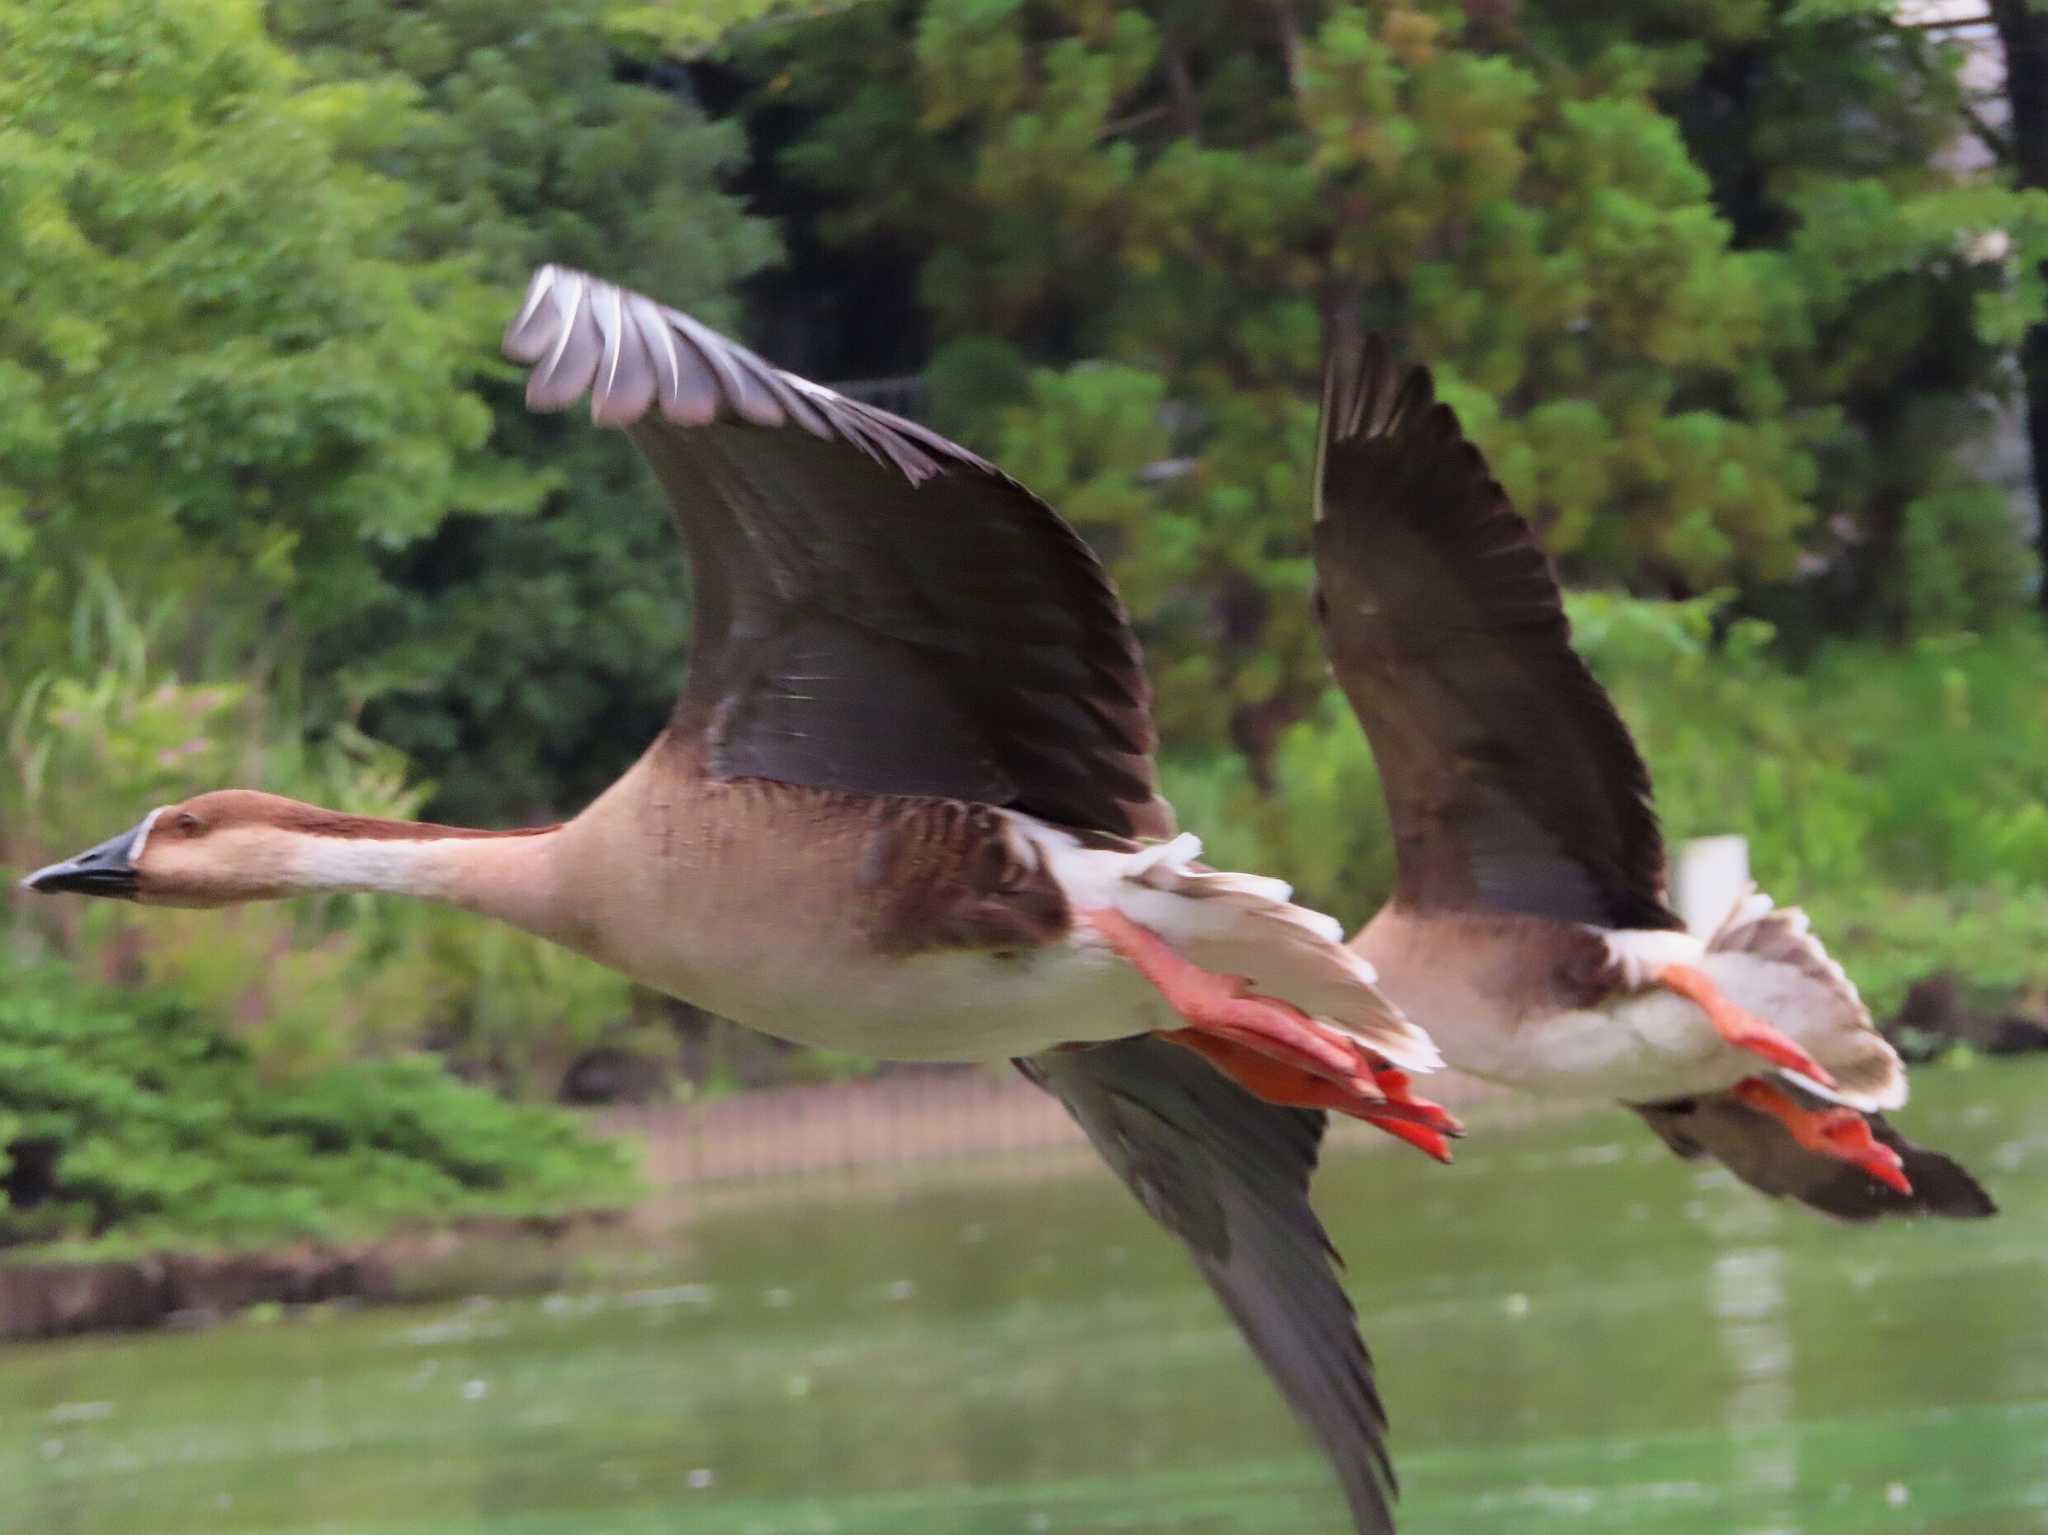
[
  {"x": 1873, "y": 1081},
  {"x": 1378, "y": 1021},
  {"x": 1806, "y": 1084},
  {"x": 1167, "y": 863},
  {"x": 1324, "y": 926},
  {"x": 1759, "y": 926},
  {"x": 1869, "y": 1074},
  {"x": 1172, "y": 854},
  {"x": 529, "y": 336},
  {"x": 636, "y": 358},
  {"x": 1403, "y": 1042},
  {"x": 1750, "y": 906},
  {"x": 582, "y": 334},
  {"x": 561, "y": 333},
  {"x": 627, "y": 378},
  {"x": 1267, "y": 890},
  {"x": 1311, "y": 939}
]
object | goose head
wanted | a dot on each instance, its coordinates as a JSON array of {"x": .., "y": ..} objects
[{"x": 216, "y": 849}]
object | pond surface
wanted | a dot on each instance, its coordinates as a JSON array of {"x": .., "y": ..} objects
[{"x": 1576, "y": 1332}]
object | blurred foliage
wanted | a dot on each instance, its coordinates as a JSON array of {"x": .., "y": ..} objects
[
  {"x": 129, "y": 1112},
  {"x": 98, "y": 739},
  {"x": 523, "y": 661},
  {"x": 219, "y": 373},
  {"x": 250, "y": 358},
  {"x": 1692, "y": 274},
  {"x": 271, "y": 511},
  {"x": 690, "y": 28}
]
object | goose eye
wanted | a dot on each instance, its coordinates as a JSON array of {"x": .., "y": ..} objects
[{"x": 188, "y": 823}]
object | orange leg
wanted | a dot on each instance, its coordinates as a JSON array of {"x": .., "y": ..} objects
[
  {"x": 1834, "y": 1132},
  {"x": 1271, "y": 1048},
  {"x": 1225, "y": 1006},
  {"x": 1422, "y": 1124},
  {"x": 1739, "y": 1028},
  {"x": 1396, "y": 1084}
]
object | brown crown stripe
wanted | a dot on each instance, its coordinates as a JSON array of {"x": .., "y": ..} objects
[{"x": 328, "y": 823}]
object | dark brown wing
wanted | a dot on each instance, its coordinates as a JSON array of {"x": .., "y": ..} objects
[
  {"x": 1512, "y": 784},
  {"x": 876, "y": 609},
  {"x": 1229, "y": 1176}
]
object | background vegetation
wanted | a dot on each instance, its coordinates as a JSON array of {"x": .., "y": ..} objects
[
  {"x": 132, "y": 1113},
  {"x": 1724, "y": 288}
]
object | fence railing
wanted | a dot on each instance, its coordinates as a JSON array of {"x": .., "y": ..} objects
[
  {"x": 897, "y": 1120},
  {"x": 916, "y": 1122}
]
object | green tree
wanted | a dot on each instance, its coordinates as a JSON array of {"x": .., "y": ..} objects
[
  {"x": 1182, "y": 194},
  {"x": 691, "y": 28},
  {"x": 1840, "y": 137},
  {"x": 134, "y": 1121},
  {"x": 2022, "y": 30},
  {"x": 522, "y": 660},
  {"x": 221, "y": 375}
]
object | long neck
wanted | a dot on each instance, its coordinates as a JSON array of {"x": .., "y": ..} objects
[{"x": 511, "y": 876}]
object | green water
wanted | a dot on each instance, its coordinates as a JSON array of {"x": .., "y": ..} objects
[{"x": 1575, "y": 1332}]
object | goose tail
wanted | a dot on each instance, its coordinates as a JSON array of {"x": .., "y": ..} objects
[
  {"x": 1767, "y": 958},
  {"x": 1241, "y": 924}
]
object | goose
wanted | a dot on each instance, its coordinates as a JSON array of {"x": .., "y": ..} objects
[
  {"x": 906, "y": 806},
  {"x": 1529, "y": 928}
]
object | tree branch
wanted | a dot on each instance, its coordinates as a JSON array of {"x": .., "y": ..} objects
[
  {"x": 1137, "y": 119},
  {"x": 2000, "y": 144},
  {"x": 1290, "y": 44},
  {"x": 1180, "y": 89},
  {"x": 1944, "y": 23}
]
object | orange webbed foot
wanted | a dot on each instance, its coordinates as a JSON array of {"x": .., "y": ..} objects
[
  {"x": 1272, "y": 1049},
  {"x": 1834, "y": 1131},
  {"x": 1385, "y": 1105},
  {"x": 1225, "y": 1007}
]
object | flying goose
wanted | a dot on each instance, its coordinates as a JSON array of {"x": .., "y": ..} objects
[
  {"x": 1529, "y": 929},
  {"x": 906, "y": 806}
]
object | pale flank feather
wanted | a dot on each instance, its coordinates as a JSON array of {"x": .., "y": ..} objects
[
  {"x": 1821, "y": 1007},
  {"x": 1238, "y": 924}
]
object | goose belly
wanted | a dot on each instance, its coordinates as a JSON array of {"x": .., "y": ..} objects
[
  {"x": 1638, "y": 1047},
  {"x": 950, "y": 1005},
  {"x": 1645, "y": 1047}
]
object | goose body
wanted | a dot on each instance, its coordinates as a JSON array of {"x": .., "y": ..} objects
[
  {"x": 917, "y": 929},
  {"x": 1529, "y": 929},
  {"x": 1572, "y": 1012},
  {"x": 906, "y": 806}
]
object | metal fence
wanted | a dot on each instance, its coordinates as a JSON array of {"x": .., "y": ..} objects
[
  {"x": 916, "y": 1123},
  {"x": 895, "y": 1121}
]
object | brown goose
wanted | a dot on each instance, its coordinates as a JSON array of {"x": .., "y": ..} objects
[
  {"x": 1529, "y": 929},
  {"x": 906, "y": 806}
]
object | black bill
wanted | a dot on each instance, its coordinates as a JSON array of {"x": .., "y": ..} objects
[{"x": 104, "y": 870}]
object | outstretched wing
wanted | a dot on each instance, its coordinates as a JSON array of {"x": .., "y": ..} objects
[
  {"x": 876, "y": 609},
  {"x": 1512, "y": 784},
  {"x": 1229, "y": 1176}
]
